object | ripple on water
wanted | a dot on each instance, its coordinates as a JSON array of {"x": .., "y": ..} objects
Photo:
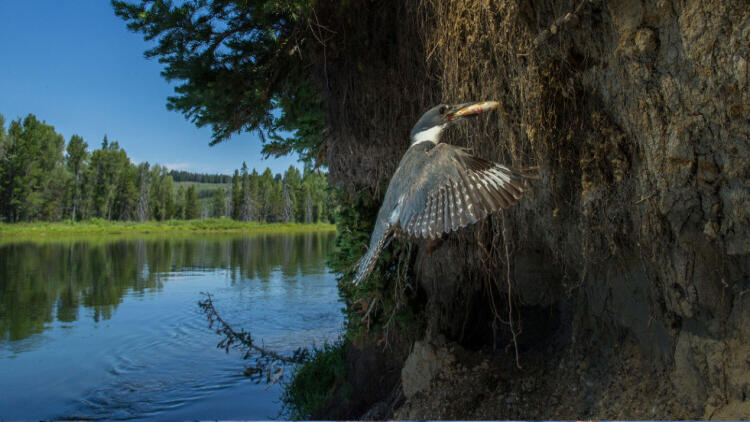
[
  {"x": 128, "y": 340},
  {"x": 174, "y": 364}
]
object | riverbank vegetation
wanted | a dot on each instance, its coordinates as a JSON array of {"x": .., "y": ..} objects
[
  {"x": 313, "y": 382},
  {"x": 44, "y": 179},
  {"x": 96, "y": 227}
]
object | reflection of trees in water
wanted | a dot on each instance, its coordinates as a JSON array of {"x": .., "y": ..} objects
[
  {"x": 44, "y": 282},
  {"x": 292, "y": 255}
]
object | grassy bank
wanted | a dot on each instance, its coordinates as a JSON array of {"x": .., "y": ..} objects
[{"x": 106, "y": 228}]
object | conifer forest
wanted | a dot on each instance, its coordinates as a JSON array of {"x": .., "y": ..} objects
[{"x": 45, "y": 178}]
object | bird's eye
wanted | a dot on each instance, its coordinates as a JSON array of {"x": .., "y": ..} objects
[{"x": 443, "y": 109}]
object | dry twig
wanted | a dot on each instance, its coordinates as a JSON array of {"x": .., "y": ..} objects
[{"x": 266, "y": 360}]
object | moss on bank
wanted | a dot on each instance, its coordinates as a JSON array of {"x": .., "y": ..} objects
[{"x": 98, "y": 227}]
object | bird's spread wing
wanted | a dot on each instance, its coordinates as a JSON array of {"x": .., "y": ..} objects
[{"x": 454, "y": 189}]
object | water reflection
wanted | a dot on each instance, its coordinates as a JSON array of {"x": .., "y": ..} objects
[{"x": 55, "y": 280}]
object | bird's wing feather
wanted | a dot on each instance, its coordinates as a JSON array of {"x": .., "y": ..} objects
[{"x": 454, "y": 189}]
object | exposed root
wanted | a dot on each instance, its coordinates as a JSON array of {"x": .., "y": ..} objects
[
  {"x": 569, "y": 20},
  {"x": 487, "y": 258},
  {"x": 510, "y": 293}
]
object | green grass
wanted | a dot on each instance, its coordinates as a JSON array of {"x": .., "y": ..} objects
[{"x": 107, "y": 228}]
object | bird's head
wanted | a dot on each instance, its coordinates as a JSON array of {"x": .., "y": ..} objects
[{"x": 432, "y": 123}]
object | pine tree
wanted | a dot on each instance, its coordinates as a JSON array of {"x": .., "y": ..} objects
[
  {"x": 293, "y": 181},
  {"x": 287, "y": 213},
  {"x": 266, "y": 194},
  {"x": 217, "y": 203},
  {"x": 144, "y": 192},
  {"x": 321, "y": 197},
  {"x": 104, "y": 167},
  {"x": 192, "y": 206},
  {"x": 3, "y": 163},
  {"x": 236, "y": 196},
  {"x": 277, "y": 203},
  {"x": 125, "y": 204},
  {"x": 3, "y": 136},
  {"x": 228, "y": 204},
  {"x": 76, "y": 161},
  {"x": 33, "y": 177},
  {"x": 308, "y": 204},
  {"x": 229, "y": 41},
  {"x": 162, "y": 193},
  {"x": 11, "y": 166},
  {"x": 49, "y": 173},
  {"x": 180, "y": 203},
  {"x": 249, "y": 194},
  {"x": 246, "y": 209}
]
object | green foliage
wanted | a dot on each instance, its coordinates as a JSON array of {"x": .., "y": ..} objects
[
  {"x": 249, "y": 207},
  {"x": 192, "y": 207},
  {"x": 111, "y": 185},
  {"x": 180, "y": 202},
  {"x": 304, "y": 113},
  {"x": 32, "y": 178},
  {"x": 3, "y": 148},
  {"x": 314, "y": 382},
  {"x": 2, "y": 133},
  {"x": 218, "y": 202},
  {"x": 162, "y": 194},
  {"x": 235, "y": 63},
  {"x": 236, "y": 195},
  {"x": 39, "y": 183},
  {"x": 76, "y": 160},
  {"x": 187, "y": 176},
  {"x": 379, "y": 304},
  {"x": 204, "y": 190},
  {"x": 355, "y": 220}
]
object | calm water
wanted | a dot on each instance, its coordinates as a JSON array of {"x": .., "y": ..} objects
[{"x": 112, "y": 329}]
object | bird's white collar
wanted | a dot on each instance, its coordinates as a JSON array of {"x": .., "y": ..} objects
[{"x": 430, "y": 135}]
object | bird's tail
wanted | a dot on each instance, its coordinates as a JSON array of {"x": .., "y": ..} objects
[{"x": 378, "y": 241}]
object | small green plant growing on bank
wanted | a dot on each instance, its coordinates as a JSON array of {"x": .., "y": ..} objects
[
  {"x": 315, "y": 382},
  {"x": 317, "y": 373},
  {"x": 380, "y": 303},
  {"x": 373, "y": 308}
]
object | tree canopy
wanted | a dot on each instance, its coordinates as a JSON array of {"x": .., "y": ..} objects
[{"x": 238, "y": 66}]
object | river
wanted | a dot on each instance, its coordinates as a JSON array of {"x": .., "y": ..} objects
[{"x": 111, "y": 329}]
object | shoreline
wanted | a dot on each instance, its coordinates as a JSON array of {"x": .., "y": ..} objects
[{"x": 103, "y": 228}]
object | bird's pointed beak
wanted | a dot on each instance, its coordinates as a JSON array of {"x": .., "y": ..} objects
[{"x": 462, "y": 111}]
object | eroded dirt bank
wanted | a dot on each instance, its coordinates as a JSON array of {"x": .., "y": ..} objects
[{"x": 629, "y": 262}]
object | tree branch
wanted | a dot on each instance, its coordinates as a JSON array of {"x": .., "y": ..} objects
[{"x": 243, "y": 340}]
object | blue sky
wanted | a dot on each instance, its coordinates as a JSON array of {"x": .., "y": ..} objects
[{"x": 75, "y": 65}]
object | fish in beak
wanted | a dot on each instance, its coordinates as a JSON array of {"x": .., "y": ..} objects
[{"x": 462, "y": 111}]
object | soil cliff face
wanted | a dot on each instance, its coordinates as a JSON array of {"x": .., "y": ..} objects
[{"x": 628, "y": 264}]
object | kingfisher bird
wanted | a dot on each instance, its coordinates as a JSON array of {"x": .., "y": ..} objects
[{"x": 439, "y": 188}]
